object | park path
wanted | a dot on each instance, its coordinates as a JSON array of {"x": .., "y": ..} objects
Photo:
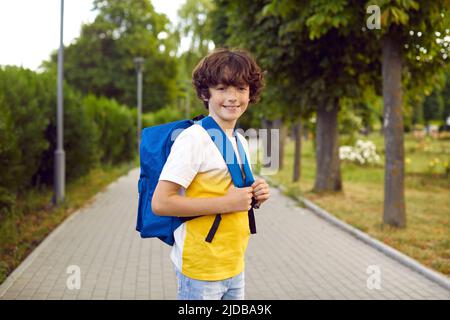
[{"x": 294, "y": 255}]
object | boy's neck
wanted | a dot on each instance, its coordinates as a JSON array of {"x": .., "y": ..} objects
[{"x": 226, "y": 126}]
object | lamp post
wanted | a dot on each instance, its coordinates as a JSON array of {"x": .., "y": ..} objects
[
  {"x": 139, "y": 62},
  {"x": 60, "y": 170}
]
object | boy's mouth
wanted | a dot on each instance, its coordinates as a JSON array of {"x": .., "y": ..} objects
[{"x": 231, "y": 107}]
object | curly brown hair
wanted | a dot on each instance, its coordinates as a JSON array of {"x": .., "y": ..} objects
[{"x": 235, "y": 67}]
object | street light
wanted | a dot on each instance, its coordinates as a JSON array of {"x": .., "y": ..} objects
[
  {"x": 139, "y": 62},
  {"x": 60, "y": 170}
]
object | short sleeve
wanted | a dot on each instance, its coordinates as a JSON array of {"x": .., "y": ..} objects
[{"x": 185, "y": 159}]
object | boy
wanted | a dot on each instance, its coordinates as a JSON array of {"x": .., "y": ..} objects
[{"x": 226, "y": 81}]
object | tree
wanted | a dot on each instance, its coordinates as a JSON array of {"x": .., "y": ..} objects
[
  {"x": 308, "y": 46},
  {"x": 10, "y": 159},
  {"x": 277, "y": 96},
  {"x": 195, "y": 24},
  {"x": 100, "y": 61},
  {"x": 433, "y": 107},
  {"x": 326, "y": 52},
  {"x": 400, "y": 19},
  {"x": 446, "y": 98}
]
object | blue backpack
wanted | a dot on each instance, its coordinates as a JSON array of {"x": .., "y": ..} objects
[{"x": 155, "y": 147}]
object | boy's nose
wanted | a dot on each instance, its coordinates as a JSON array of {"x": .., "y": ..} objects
[{"x": 232, "y": 96}]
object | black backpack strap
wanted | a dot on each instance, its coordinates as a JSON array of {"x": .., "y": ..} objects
[
  {"x": 218, "y": 218},
  {"x": 209, "y": 238},
  {"x": 199, "y": 117},
  {"x": 184, "y": 219},
  {"x": 251, "y": 217},
  {"x": 214, "y": 228}
]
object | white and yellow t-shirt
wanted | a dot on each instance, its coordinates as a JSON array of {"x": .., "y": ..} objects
[{"x": 197, "y": 165}]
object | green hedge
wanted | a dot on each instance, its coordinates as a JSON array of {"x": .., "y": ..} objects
[
  {"x": 116, "y": 128},
  {"x": 24, "y": 102},
  {"x": 80, "y": 141},
  {"x": 164, "y": 115},
  {"x": 9, "y": 159},
  {"x": 95, "y": 129}
]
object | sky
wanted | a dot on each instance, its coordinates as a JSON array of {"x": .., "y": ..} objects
[{"x": 29, "y": 29}]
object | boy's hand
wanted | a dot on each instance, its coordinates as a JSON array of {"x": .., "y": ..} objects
[
  {"x": 260, "y": 191},
  {"x": 238, "y": 199}
]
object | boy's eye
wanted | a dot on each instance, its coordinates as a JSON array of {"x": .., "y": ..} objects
[{"x": 243, "y": 88}]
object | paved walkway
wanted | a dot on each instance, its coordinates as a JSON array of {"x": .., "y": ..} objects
[{"x": 295, "y": 255}]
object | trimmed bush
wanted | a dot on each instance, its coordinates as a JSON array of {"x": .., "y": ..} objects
[
  {"x": 94, "y": 129},
  {"x": 164, "y": 115},
  {"x": 80, "y": 140},
  {"x": 28, "y": 133},
  {"x": 116, "y": 129},
  {"x": 9, "y": 160},
  {"x": 25, "y": 98}
]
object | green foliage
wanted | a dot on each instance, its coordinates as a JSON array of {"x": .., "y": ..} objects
[
  {"x": 29, "y": 104},
  {"x": 431, "y": 103},
  {"x": 9, "y": 160},
  {"x": 396, "y": 12},
  {"x": 100, "y": 61},
  {"x": 116, "y": 129},
  {"x": 25, "y": 108},
  {"x": 433, "y": 107},
  {"x": 93, "y": 129},
  {"x": 350, "y": 124},
  {"x": 161, "y": 116},
  {"x": 306, "y": 47},
  {"x": 80, "y": 139},
  {"x": 417, "y": 24},
  {"x": 313, "y": 51},
  {"x": 195, "y": 24}
]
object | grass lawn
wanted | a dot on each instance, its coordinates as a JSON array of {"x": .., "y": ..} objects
[
  {"x": 34, "y": 218},
  {"x": 427, "y": 190}
]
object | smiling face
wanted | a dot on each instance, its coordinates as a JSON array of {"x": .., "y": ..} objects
[
  {"x": 227, "y": 81},
  {"x": 227, "y": 103}
]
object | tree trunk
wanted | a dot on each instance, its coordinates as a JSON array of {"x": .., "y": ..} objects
[
  {"x": 267, "y": 124},
  {"x": 305, "y": 132},
  {"x": 278, "y": 124},
  {"x": 328, "y": 173},
  {"x": 394, "y": 198},
  {"x": 297, "y": 132}
]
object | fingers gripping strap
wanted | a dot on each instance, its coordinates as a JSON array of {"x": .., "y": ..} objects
[{"x": 251, "y": 217}]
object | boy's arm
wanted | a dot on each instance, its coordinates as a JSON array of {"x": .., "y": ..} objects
[{"x": 167, "y": 202}]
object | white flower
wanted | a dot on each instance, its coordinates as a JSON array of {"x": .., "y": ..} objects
[{"x": 363, "y": 152}]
